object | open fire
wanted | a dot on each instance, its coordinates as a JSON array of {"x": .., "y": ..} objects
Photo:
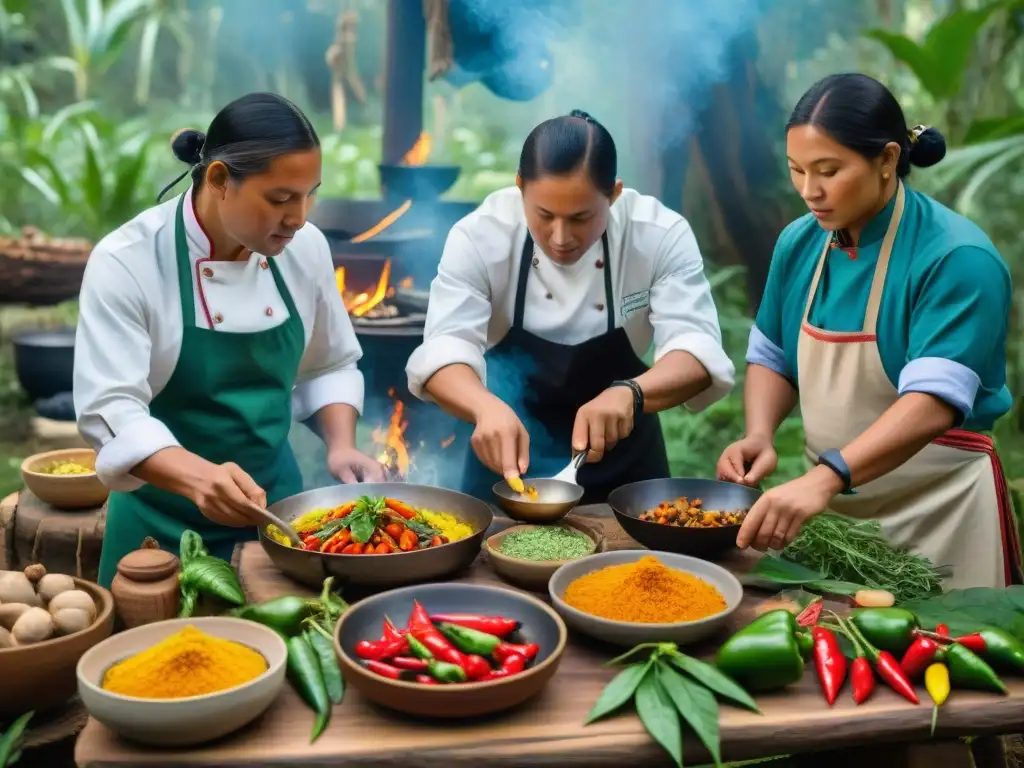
[{"x": 390, "y": 445}]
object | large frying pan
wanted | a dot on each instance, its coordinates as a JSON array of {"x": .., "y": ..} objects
[{"x": 311, "y": 568}]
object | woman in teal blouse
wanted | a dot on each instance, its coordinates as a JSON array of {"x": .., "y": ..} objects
[{"x": 885, "y": 318}]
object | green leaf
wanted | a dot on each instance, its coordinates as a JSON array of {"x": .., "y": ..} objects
[
  {"x": 991, "y": 128},
  {"x": 971, "y": 610},
  {"x": 659, "y": 716},
  {"x": 618, "y": 691},
  {"x": 779, "y": 571},
  {"x": 712, "y": 678},
  {"x": 11, "y": 739},
  {"x": 916, "y": 58},
  {"x": 696, "y": 704},
  {"x": 949, "y": 43},
  {"x": 190, "y": 547}
]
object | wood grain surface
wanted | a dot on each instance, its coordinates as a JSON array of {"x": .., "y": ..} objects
[{"x": 548, "y": 730}]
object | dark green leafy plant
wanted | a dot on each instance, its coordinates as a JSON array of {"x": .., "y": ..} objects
[
  {"x": 668, "y": 690},
  {"x": 11, "y": 740}
]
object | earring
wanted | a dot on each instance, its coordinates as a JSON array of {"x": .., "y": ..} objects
[{"x": 885, "y": 175}]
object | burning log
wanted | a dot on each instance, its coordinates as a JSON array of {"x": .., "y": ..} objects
[{"x": 39, "y": 270}]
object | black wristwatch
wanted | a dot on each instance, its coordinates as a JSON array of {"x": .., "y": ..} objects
[
  {"x": 834, "y": 460},
  {"x": 638, "y": 393}
]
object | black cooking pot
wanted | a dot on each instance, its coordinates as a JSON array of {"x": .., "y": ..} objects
[
  {"x": 417, "y": 182},
  {"x": 44, "y": 361}
]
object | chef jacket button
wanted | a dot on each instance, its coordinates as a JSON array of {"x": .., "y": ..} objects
[
  {"x": 207, "y": 272},
  {"x": 599, "y": 263},
  {"x": 549, "y": 296},
  {"x": 536, "y": 261},
  {"x": 263, "y": 264},
  {"x": 218, "y": 318},
  {"x": 600, "y": 307},
  {"x": 269, "y": 311}
]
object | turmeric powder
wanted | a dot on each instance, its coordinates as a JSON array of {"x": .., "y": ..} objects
[
  {"x": 188, "y": 663},
  {"x": 644, "y": 592}
]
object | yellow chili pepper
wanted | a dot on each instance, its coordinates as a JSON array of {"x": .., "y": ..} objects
[
  {"x": 515, "y": 483},
  {"x": 936, "y": 681}
]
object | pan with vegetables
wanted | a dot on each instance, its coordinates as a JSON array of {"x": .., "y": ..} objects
[
  {"x": 449, "y": 650},
  {"x": 379, "y": 534}
]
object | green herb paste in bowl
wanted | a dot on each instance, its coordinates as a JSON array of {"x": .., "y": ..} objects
[{"x": 548, "y": 542}]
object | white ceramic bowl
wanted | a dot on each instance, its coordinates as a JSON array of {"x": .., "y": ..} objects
[
  {"x": 628, "y": 634},
  {"x": 189, "y": 721}
]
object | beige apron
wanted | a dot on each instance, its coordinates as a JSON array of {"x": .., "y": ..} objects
[{"x": 945, "y": 502}]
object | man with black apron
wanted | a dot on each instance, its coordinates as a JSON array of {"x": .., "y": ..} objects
[{"x": 550, "y": 292}]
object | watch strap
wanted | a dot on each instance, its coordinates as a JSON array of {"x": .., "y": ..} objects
[
  {"x": 833, "y": 459},
  {"x": 638, "y": 393}
]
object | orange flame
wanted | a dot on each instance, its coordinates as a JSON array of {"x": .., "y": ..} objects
[
  {"x": 394, "y": 453},
  {"x": 420, "y": 151},
  {"x": 447, "y": 441}
]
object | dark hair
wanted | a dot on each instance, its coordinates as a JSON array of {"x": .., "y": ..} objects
[
  {"x": 245, "y": 135},
  {"x": 863, "y": 115},
  {"x": 562, "y": 145}
]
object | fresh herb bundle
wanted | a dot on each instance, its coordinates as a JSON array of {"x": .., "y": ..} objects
[
  {"x": 666, "y": 687},
  {"x": 848, "y": 550},
  {"x": 201, "y": 573}
]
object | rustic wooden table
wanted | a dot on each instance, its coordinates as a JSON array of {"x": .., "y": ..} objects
[{"x": 548, "y": 730}]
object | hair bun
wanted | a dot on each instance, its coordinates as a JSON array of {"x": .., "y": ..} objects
[
  {"x": 928, "y": 149},
  {"x": 187, "y": 145},
  {"x": 582, "y": 115}
]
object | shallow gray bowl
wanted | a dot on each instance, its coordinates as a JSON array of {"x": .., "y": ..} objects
[
  {"x": 395, "y": 569},
  {"x": 365, "y": 621},
  {"x": 624, "y": 633},
  {"x": 555, "y": 500}
]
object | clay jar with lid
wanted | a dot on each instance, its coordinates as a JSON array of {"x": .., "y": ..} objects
[{"x": 145, "y": 588}]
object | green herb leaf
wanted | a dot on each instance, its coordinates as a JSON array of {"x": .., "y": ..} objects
[
  {"x": 717, "y": 681},
  {"x": 214, "y": 577},
  {"x": 362, "y": 526},
  {"x": 659, "y": 716},
  {"x": 190, "y": 547},
  {"x": 618, "y": 691},
  {"x": 781, "y": 571},
  {"x": 11, "y": 739},
  {"x": 696, "y": 704},
  {"x": 974, "y": 609}
]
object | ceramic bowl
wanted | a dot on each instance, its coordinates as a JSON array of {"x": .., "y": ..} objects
[
  {"x": 42, "y": 676},
  {"x": 364, "y": 621},
  {"x": 628, "y": 634},
  {"x": 65, "y": 491},
  {"x": 533, "y": 574},
  {"x": 555, "y": 500},
  {"x": 189, "y": 721},
  {"x": 629, "y": 501},
  {"x": 391, "y": 570}
]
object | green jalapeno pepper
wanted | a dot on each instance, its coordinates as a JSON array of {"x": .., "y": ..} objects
[
  {"x": 888, "y": 629},
  {"x": 767, "y": 654}
]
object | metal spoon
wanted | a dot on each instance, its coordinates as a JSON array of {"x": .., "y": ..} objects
[
  {"x": 568, "y": 474},
  {"x": 270, "y": 518}
]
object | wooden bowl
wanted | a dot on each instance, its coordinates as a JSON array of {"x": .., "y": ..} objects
[
  {"x": 65, "y": 491},
  {"x": 192, "y": 720},
  {"x": 534, "y": 574},
  {"x": 42, "y": 676},
  {"x": 630, "y": 634},
  {"x": 364, "y": 621}
]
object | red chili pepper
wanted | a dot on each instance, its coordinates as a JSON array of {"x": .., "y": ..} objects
[
  {"x": 410, "y": 662},
  {"x": 403, "y": 509},
  {"x": 391, "y": 632},
  {"x": 810, "y": 615},
  {"x": 382, "y": 649},
  {"x": 860, "y": 671},
  {"x": 942, "y": 629},
  {"x": 886, "y": 666},
  {"x": 513, "y": 664},
  {"x": 384, "y": 670},
  {"x": 829, "y": 661},
  {"x": 974, "y": 642},
  {"x": 311, "y": 544},
  {"x": 423, "y": 630},
  {"x": 492, "y": 625},
  {"x": 528, "y": 651},
  {"x": 426, "y": 680},
  {"x": 919, "y": 655}
]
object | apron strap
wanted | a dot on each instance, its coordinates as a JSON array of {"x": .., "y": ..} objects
[
  {"x": 282, "y": 288},
  {"x": 870, "y": 324},
  {"x": 184, "y": 262},
  {"x": 526, "y": 261}
]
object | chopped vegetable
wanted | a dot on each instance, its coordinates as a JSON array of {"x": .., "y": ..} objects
[{"x": 683, "y": 513}]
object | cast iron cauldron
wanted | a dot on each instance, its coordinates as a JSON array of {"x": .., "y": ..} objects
[{"x": 44, "y": 361}]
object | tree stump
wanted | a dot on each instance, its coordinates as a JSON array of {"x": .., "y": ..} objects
[{"x": 32, "y": 531}]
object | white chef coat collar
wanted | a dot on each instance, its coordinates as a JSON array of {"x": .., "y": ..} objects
[{"x": 199, "y": 244}]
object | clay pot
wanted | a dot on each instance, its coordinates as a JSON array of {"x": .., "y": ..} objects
[{"x": 146, "y": 588}]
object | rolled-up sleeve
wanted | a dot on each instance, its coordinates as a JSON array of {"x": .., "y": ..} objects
[
  {"x": 112, "y": 361},
  {"x": 958, "y": 329},
  {"x": 684, "y": 316},
  {"x": 328, "y": 373},
  {"x": 457, "y": 316},
  {"x": 765, "y": 343}
]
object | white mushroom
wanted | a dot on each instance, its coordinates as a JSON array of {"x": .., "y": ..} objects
[
  {"x": 6, "y": 641},
  {"x": 52, "y": 584},
  {"x": 34, "y": 626},
  {"x": 16, "y": 588},
  {"x": 71, "y": 620},
  {"x": 75, "y": 598},
  {"x": 10, "y": 613}
]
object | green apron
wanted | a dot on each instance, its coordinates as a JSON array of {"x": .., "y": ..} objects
[{"x": 228, "y": 400}]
